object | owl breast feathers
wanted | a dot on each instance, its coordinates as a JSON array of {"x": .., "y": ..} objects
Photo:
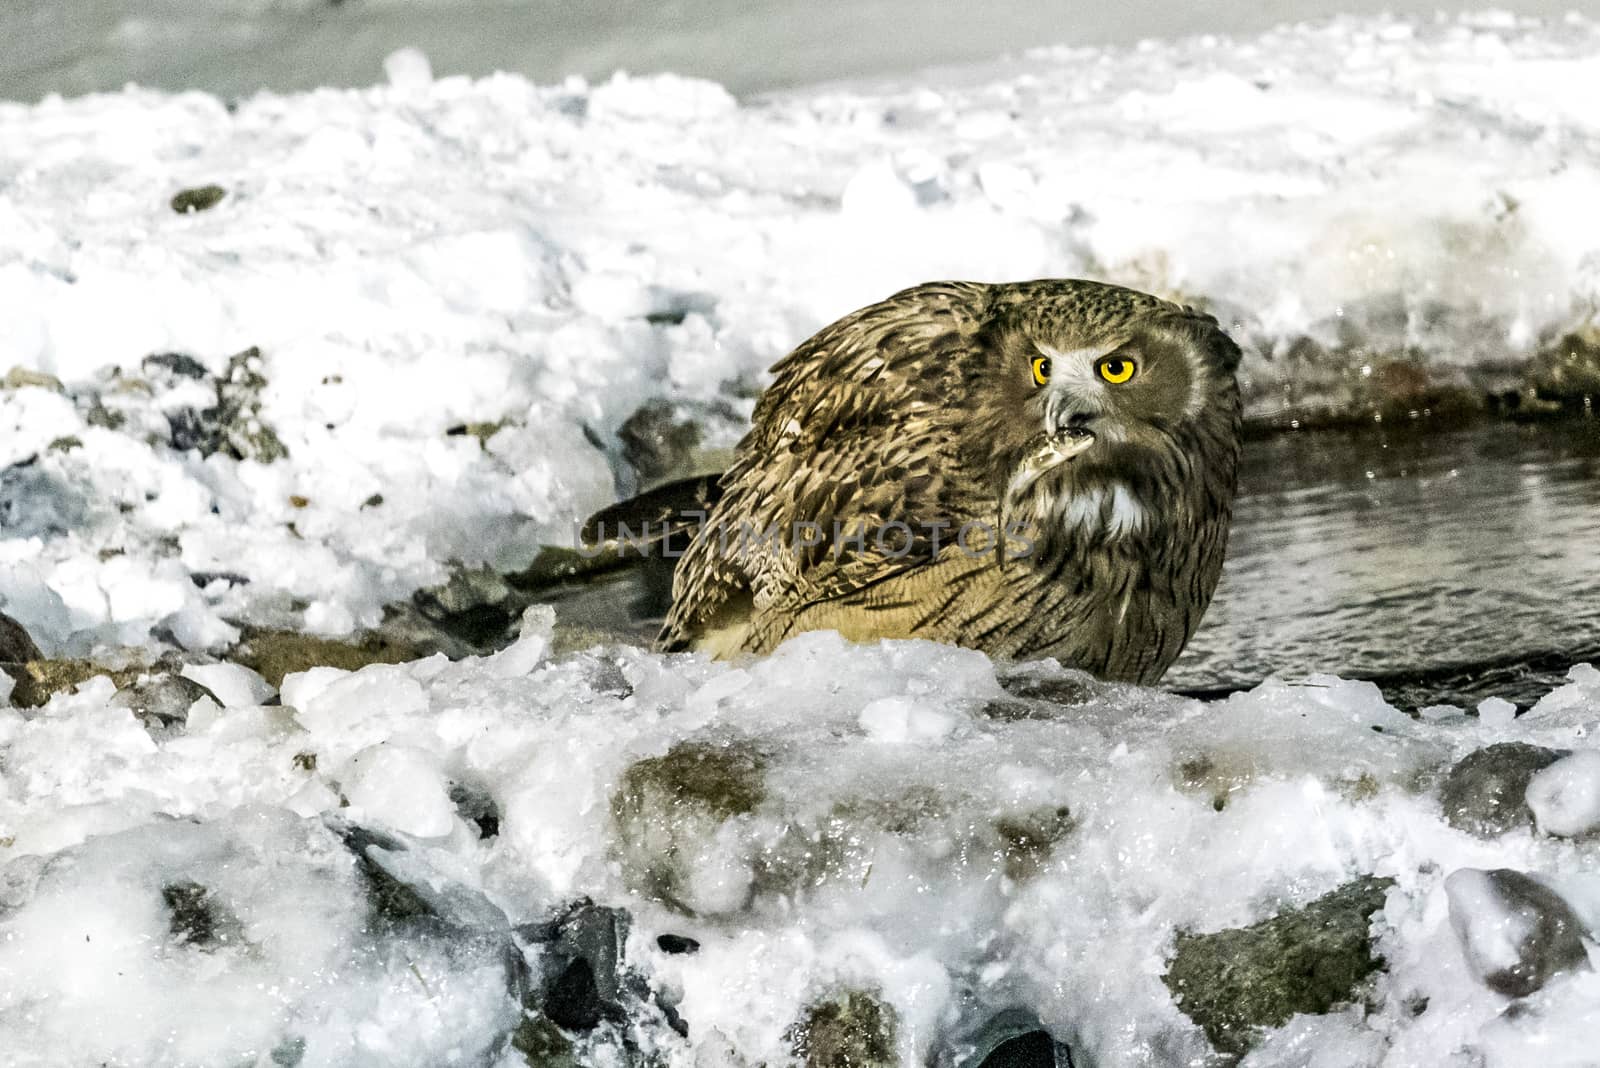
[{"x": 1034, "y": 469}]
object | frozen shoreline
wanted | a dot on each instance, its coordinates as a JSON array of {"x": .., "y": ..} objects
[{"x": 459, "y": 291}]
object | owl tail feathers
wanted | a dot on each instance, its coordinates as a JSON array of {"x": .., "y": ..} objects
[{"x": 656, "y": 520}]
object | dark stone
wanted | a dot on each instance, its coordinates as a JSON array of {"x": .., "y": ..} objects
[
  {"x": 1035, "y": 1049},
  {"x": 671, "y": 943},
  {"x": 16, "y": 644},
  {"x": 1010, "y": 1038},
  {"x": 573, "y": 1000},
  {"x": 200, "y": 198},
  {"x": 851, "y": 1029},
  {"x": 1310, "y": 959},
  {"x": 197, "y": 919},
  {"x": 1484, "y": 793},
  {"x": 477, "y": 806},
  {"x": 1549, "y": 934},
  {"x": 178, "y": 364},
  {"x": 475, "y": 606}
]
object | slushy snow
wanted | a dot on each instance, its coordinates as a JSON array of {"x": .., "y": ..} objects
[
  {"x": 535, "y": 262},
  {"x": 869, "y": 861}
]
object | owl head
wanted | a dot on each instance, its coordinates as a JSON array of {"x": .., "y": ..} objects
[{"x": 1107, "y": 414}]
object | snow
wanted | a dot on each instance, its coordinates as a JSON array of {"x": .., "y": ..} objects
[
  {"x": 537, "y": 261},
  {"x": 874, "y": 865}
]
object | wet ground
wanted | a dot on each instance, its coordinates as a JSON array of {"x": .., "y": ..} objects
[{"x": 1447, "y": 565}]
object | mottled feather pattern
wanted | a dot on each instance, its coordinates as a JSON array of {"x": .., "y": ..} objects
[{"x": 917, "y": 410}]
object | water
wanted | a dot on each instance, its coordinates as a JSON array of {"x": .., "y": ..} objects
[
  {"x": 1445, "y": 565},
  {"x": 1448, "y": 566}
]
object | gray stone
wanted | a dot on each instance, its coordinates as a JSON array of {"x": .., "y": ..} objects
[
  {"x": 1484, "y": 793},
  {"x": 161, "y": 702},
  {"x": 1310, "y": 959}
]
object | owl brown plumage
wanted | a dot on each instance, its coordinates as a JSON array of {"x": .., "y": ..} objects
[{"x": 1100, "y": 426}]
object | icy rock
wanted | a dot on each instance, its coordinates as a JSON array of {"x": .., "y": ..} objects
[
  {"x": 676, "y": 944},
  {"x": 670, "y": 813},
  {"x": 1310, "y": 959},
  {"x": 851, "y": 1027},
  {"x": 197, "y": 918},
  {"x": 1565, "y": 797},
  {"x": 1484, "y": 793},
  {"x": 162, "y": 702},
  {"x": 404, "y": 885},
  {"x": 1029, "y": 836},
  {"x": 1515, "y": 932},
  {"x": 16, "y": 646}
]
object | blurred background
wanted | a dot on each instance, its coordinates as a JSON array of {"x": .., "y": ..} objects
[{"x": 234, "y": 47}]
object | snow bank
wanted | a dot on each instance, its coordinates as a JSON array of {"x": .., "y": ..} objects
[
  {"x": 453, "y": 293},
  {"x": 209, "y": 897}
]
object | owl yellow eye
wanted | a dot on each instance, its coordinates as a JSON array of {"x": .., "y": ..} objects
[
  {"x": 1116, "y": 369},
  {"x": 1041, "y": 370}
]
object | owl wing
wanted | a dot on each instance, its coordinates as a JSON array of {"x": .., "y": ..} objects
[{"x": 856, "y": 432}]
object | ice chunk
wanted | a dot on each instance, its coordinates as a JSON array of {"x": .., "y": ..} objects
[
  {"x": 400, "y": 787},
  {"x": 1565, "y": 797},
  {"x": 235, "y": 685},
  {"x": 408, "y": 68}
]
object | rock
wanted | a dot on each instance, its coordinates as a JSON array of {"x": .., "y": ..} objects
[
  {"x": 1310, "y": 959},
  {"x": 849, "y": 1029},
  {"x": 1565, "y": 797},
  {"x": 161, "y": 702},
  {"x": 16, "y": 645},
  {"x": 477, "y": 806},
  {"x": 200, "y": 198},
  {"x": 668, "y": 811},
  {"x": 475, "y": 606},
  {"x": 1485, "y": 792},
  {"x": 198, "y": 919},
  {"x": 175, "y": 363},
  {"x": 542, "y": 1044},
  {"x": 1010, "y": 1038},
  {"x": 676, "y": 944},
  {"x": 659, "y": 441},
  {"x": 39, "y": 680},
  {"x": 246, "y": 435},
  {"x": 272, "y": 654},
  {"x": 26, "y": 378},
  {"x": 233, "y": 685},
  {"x": 1515, "y": 932}
]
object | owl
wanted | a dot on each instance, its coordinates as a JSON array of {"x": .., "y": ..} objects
[{"x": 1032, "y": 469}]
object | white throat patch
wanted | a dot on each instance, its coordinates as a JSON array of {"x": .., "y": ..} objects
[{"x": 1112, "y": 509}]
